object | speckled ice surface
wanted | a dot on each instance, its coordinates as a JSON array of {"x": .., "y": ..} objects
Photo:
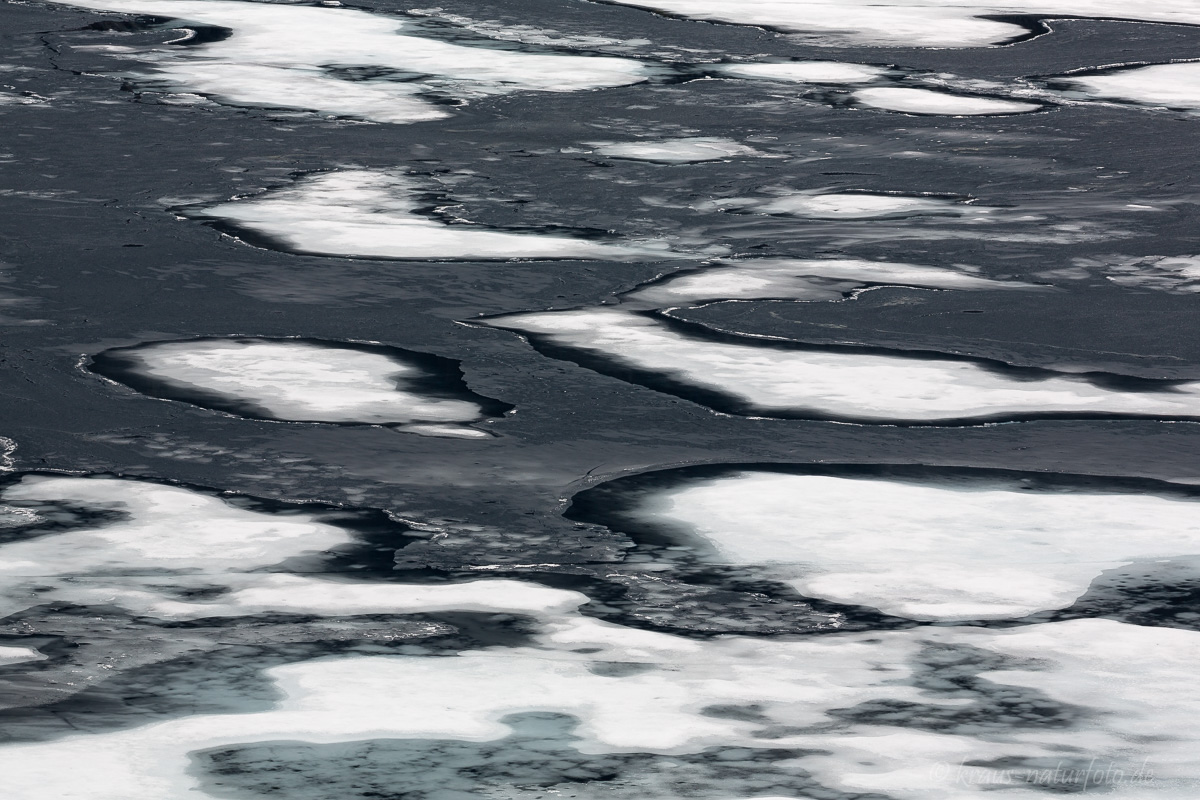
[
  {"x": 928, "y": 101},
  {"x": 850, "y": 384},
  {"x": 803, "y": 279},
  {"x": 369, "y": 214},
  {"x": 282, "y": 56},
  {"x": 690, "y": 150},
  {"x": 928, "y": 551},
  {"x": 1174, "y": 86},
  {"x": 819, "y": 72},
  {"x": 907, "y": 23},
  {"x": 301, "y": 381}
]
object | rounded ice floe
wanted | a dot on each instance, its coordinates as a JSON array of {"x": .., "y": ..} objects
[
  {"x": 302, "y": 380},
  {"x": 1174, "y": 86},
  {"x": 935, "y": 103},
  {"x": 801, "y": 279},
  {"x": 790, "y": 380},
  {"x": 836, "y": 72},
  {"x": 914, "y": 542},
  {"x": 305, "y": 57},
  {"x": 916, "y": 23},
  {"x": 689, "y": 150},
  {"x": 371, "y": 214}
]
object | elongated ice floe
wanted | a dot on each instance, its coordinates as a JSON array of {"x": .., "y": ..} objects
[
  {"x": 371, "y": 214},
  {"x": 757, "y": 377},
  {"x": 304, "y": 380},
  {"x": 688, "y": 150},
  {"x": 809, "y": 703},
  {"x": 347, "y": 62},
  {"x": 820, "y": 72},
  {"x": 1172, "y": 274},
  {"x": 935, "y": 103},
  {"x": 853, "y": 205},
  {"x": 915, "y": 23},
  {"x": 802, "y": 279},
  {"x": 1174, "y": 86},
  {"x": 919, "y": 543},
  {"x": 170, "y": 542}
]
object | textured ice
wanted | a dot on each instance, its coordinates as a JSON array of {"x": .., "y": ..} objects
[
  {"x": 914, "y": 23},
  {"x": 370, "y": 214},
  {"x": 294, "y": 380},
  {"x": 1169, "y": 85},
  {"x": 1173, "y": 274},
  {"x": 171, "y": 541},
  {"x": 847, "y": 708},
  {"x": 803, "y": 279},
  {"x": 306, "y": 57},
  {"x": 835, "y": 72},
  {"x": 984, "y": 549},
  {"x": 676, "y": 151},
  {"x": 748, "y": 376},
  {"x": 928, "y": 101}
]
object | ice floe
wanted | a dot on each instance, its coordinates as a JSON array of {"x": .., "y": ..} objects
[
  {"x": 175, "y": 553},
  {"x": 852, "y": 205},
  {"x": 930, "y": 102},
  {"x": 688, "y": 150},
  {"x": 802, "y": 279},
  {"x": 1174, "y": 86},
  {"x": 304, "y": 380},
  {"x": 372, "y": 214},
  {"x": 759, "y": 377},
  {"x": 819, "y": 72},
  {"x": 915, "y": 23},
  {"x": 730, "y": 700},
  {"x": 16, "y": 655},
  {"x": 347, "y": 62},
  {"x": 954, "y": 544}
]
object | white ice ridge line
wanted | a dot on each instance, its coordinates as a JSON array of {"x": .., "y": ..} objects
[
  {"x": 924, "y": 550},
  {"x": 803, "y": 280},
  {"x": 196, "y": 541},
  {"x": 1134, "y": 687},
  {"x": 296, "y": 57},
  {"x": 373, "y": 214},
  {"x": 842, "y": 384},
  {"x": 909, "y": 23}
]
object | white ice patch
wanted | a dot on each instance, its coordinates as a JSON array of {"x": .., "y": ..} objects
[
  {"x": 930, "y": 102},
  {"x": 676, "y": 151},
  {"x": 840, "y": 384},
  {"x": 926, "y": 551},
  {"x": 852, "y": 205},
  {"x": 15, "y": 655},
  {"x": 302, "y": 381},
  {"x": 803, "y": 279},
  {"x": 914, "y": 23},
  {"x": 819, "y": 72},
  {"x": 1175, "y": 86},
  {"x": 369, "y": 214},
  {"x": 303, "y": 57},
  {"x": 1112, "y": 671}
]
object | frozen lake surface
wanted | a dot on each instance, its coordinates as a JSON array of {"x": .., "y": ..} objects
[{"x": 675, "y": 399}]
